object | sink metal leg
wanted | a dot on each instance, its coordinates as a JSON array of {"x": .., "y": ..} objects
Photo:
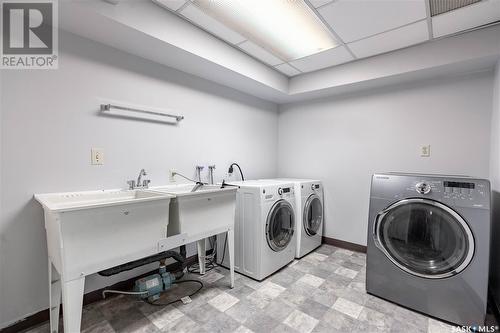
[
  {"x": 202, "y": 250},
  {"x": 72, "y": 304},
  {"x": 230, "y": 245},
  {"x": 54, "y": 297}
]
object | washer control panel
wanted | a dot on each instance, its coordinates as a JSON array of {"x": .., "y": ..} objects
[
  {"x": 280, "y": 192},
  {"x": 285, "y": 190}
]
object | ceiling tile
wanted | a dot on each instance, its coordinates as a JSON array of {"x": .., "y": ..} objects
[
  {"x": 287, "y": 69},
  {"x": 468, "y": 17},
  {"x": 356, "y": 19},
  {"x": 319, "y": 3},
  {"x": 170, "y": 4},
  {"x": 198, "y": 17},
  {"x": 391, "y": 40},
  {"x": 260, "y": 53},
  {"x": 323, "y": 59}
]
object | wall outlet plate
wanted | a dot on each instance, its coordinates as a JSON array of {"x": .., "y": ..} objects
[
  {"x": 425, "y": 151},
  {"x": 97, "y": 156},
  {"x": 171, "y": 175}
]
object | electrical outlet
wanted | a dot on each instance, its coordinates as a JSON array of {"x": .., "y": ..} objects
[
  {"x": 97, "y": 156},
  {"x": 171, "y": 175},
  {"x": 425, "y": 151}
]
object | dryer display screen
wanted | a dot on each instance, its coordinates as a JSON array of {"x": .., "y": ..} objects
[
  {"x": 286, "y": 190},
  {"x": 459, "y": 185}
]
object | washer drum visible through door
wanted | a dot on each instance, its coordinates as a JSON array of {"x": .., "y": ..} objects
[
  {"x": 280, "y": 225},
  {"x": 313, "y": 215},
  {"x": 424, "y": 237}
]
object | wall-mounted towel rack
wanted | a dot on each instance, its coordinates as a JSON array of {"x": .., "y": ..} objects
[{"x": 110, "y": 107}]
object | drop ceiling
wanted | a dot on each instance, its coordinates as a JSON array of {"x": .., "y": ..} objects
[{"x": 362, "y": 28}]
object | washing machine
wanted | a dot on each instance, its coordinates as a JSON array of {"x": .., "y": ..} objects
[
  {"x": 264, "y": 228},
  {"x": 309, "y": 213},
  {"x": 428, "y": 244}
]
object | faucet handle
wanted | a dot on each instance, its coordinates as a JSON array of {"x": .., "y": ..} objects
[
  {"x": 145, "y": 183},
  {"x": 131, "y": 184}
]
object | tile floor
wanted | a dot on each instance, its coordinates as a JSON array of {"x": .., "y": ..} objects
[{"x": 322, "y": 292}]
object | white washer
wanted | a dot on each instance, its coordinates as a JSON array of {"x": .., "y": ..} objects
[
  {"x": 309, "y": 213},
  {"x": 264, "y": 228}
]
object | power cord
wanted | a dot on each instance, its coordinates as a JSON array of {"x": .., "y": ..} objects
[
  {"x": 210, "y": 262},
  {"x": 230, "y": 170},
  {"x": 224, "y": 250}
]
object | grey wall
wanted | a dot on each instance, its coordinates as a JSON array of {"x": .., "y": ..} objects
[
  {"x": 344, "y": 140},
  {"x": 495, "y": 186},
  {"x": 50, "y": 121}
]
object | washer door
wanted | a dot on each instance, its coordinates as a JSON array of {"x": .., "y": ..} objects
[
  {"x": 313, "y": 215},
  {"x": 424, "y": 237},
  {"x": 280, "y": 225}
]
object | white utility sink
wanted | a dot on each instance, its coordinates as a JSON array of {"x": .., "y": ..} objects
[
  {"x": 91, "y": 231},
  {"x": 101, "y": 229},
  {"x": 208, "y": 208}
]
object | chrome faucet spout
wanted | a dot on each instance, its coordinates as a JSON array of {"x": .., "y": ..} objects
[{"x": 141, "y": 173}]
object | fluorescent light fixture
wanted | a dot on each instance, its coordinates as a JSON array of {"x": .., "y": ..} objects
[{"x": 287, "y": 28}]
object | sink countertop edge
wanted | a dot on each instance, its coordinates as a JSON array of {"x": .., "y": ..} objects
[{"x": 40, "y": 198}]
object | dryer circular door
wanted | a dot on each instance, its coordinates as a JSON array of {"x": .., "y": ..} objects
[
  {"x": 280, "y": 225},
  {"x": 313, "y": 215},
  {"x": 424, "y": 237}
]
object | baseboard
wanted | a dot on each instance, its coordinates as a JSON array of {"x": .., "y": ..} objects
[
  {"x": 344, "y": 244},
  {"x": 91, "y": 297}
]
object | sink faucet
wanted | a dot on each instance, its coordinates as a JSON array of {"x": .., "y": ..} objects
[
  {"x": 211, "y": 169},
  {"x": 132, "y": 184},
  {"x": 141, "y": 173}
]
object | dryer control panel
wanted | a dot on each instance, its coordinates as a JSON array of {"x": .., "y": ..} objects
[
  {"x": 462, "y": 193},
  {"x": 457, "y": 191}
]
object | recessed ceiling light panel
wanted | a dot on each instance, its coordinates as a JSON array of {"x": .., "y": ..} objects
[{"x": 287, "y": 28}]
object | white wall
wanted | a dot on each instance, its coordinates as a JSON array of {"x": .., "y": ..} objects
[
  {"x": 495, "y": 187},
  {"x": 50, "y": 121},
  {"x": 495, "y": 133},
  {"x": 344, "y": 140}
]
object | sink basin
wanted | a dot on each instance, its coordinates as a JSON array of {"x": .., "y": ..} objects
[
  {"x": 208, "y": 208},
  {"x": 93, "y": 230},
  {"x": 94, "y": 199}
]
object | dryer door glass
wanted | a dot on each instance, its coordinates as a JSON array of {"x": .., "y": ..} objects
[
  {"x": 280, "y": 225},
  {"x": 425, "y": 238},
  {"x": 313, "y": 215}
]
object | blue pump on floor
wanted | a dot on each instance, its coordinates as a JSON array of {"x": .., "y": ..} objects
[{"x": 150, "y": 287}]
